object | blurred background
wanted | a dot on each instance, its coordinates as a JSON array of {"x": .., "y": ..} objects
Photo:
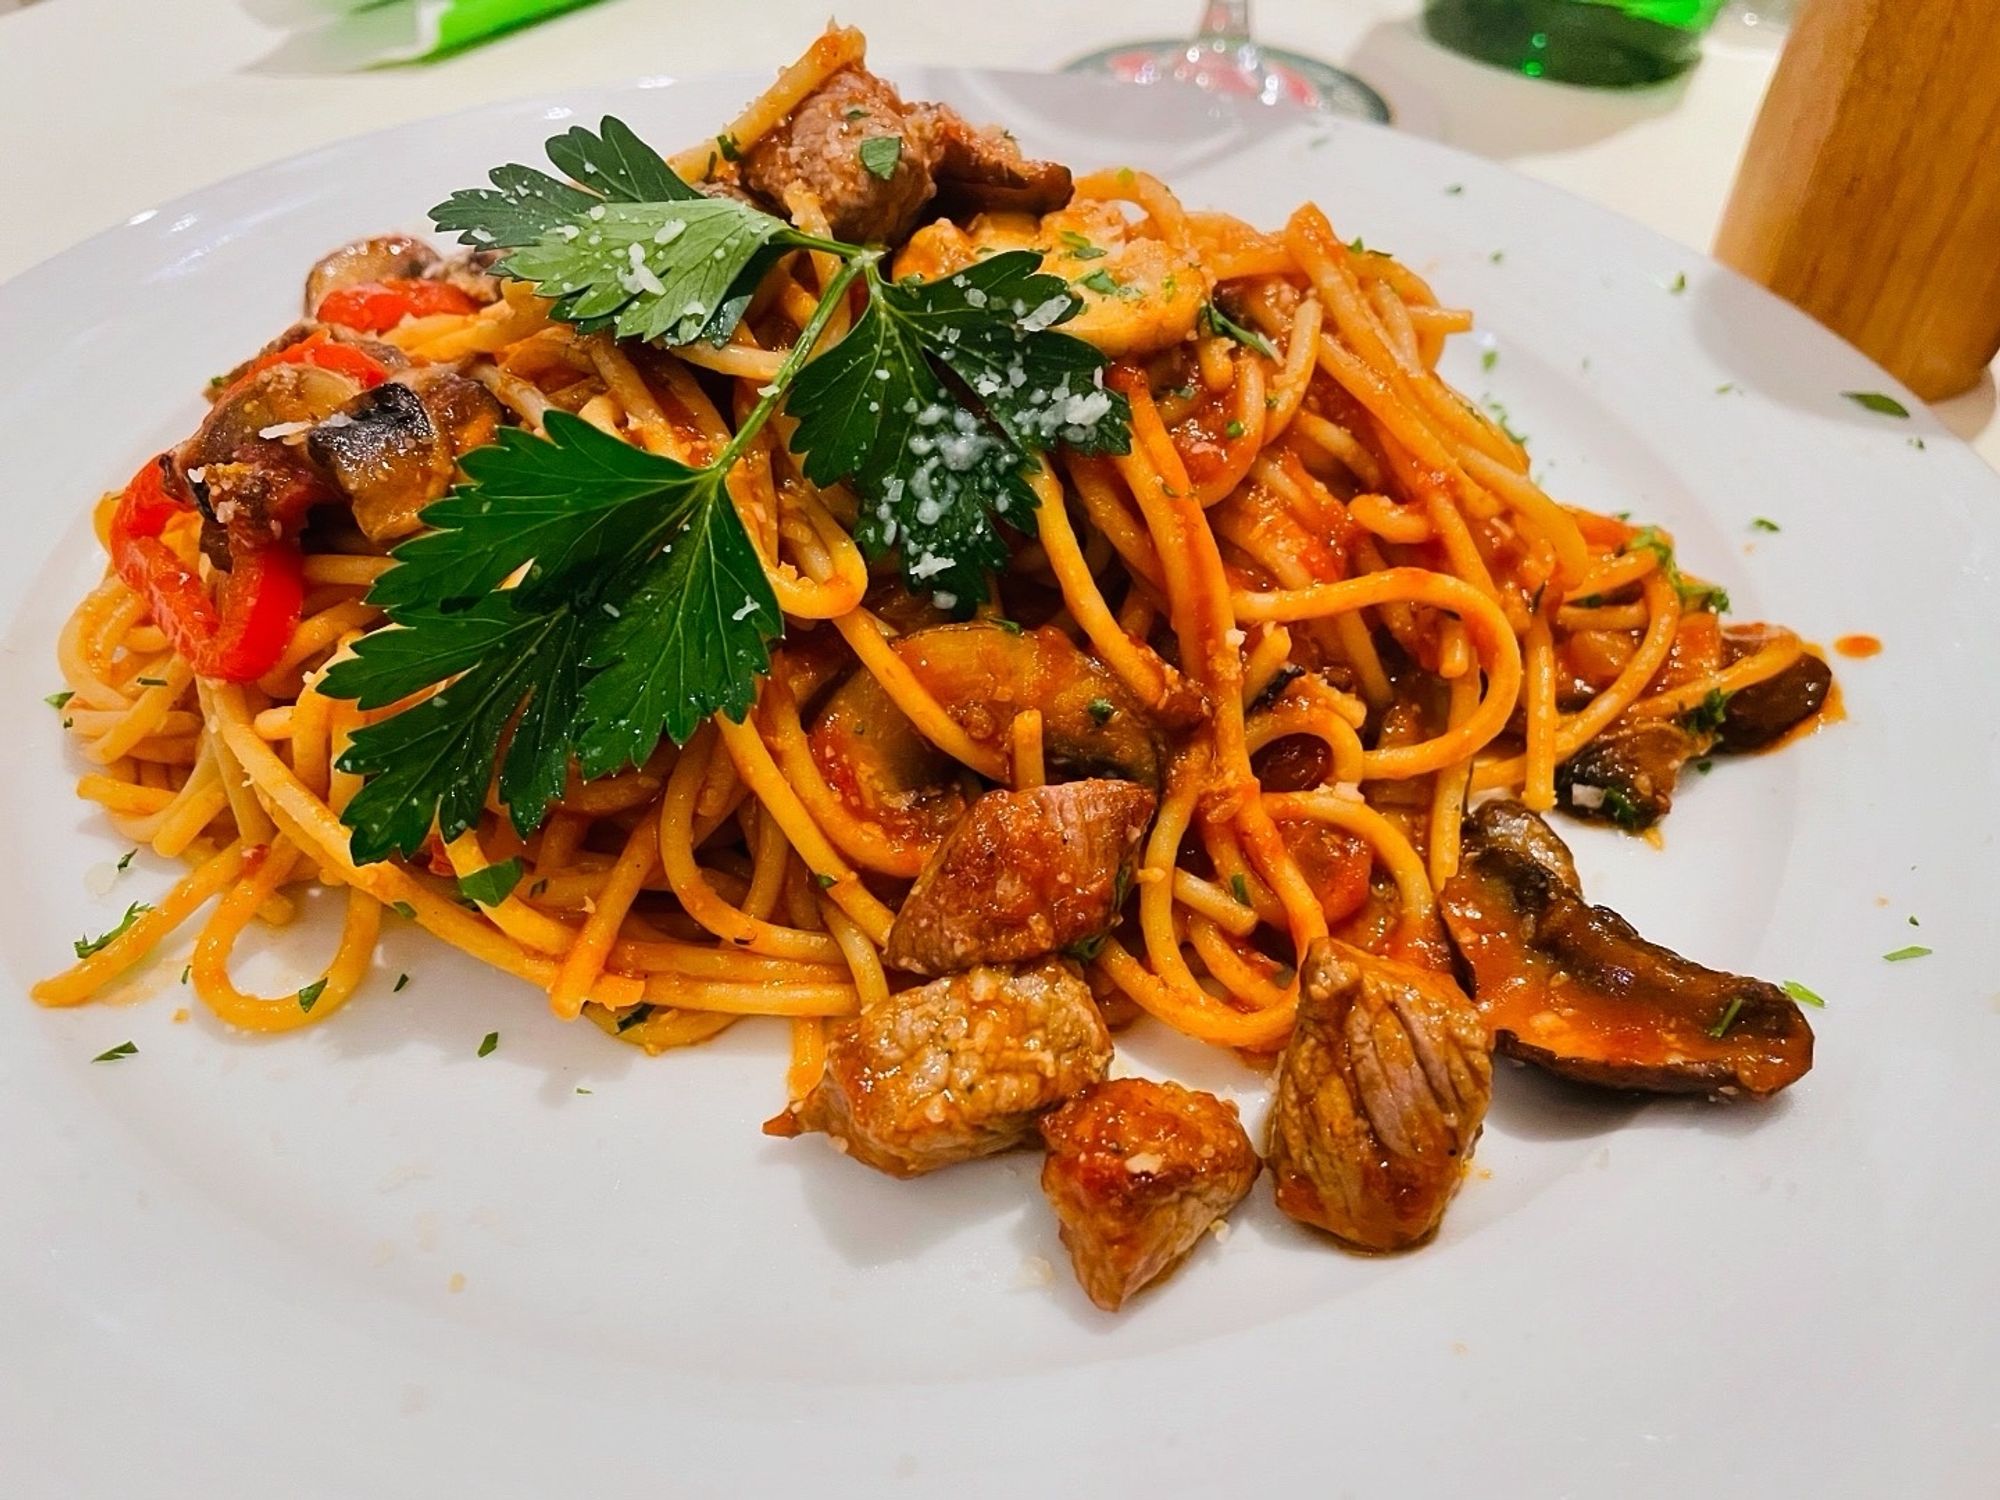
[{"x": 1649, "y": 107}]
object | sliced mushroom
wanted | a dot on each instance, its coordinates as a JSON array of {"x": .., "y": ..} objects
[
  {"x": 984, "y": 673},
  {"x": 246, "y": 464},
  {"x": 1627, "y": 774},
  {"x": 1574, "y": 989},
  {"x": 380, "y": 258},
  {"x": 884, "y": 770},
  {"x": 394, "y": 449},
  {"x": 982, "y": 168},
  {"x": 1760, "y": 715}
]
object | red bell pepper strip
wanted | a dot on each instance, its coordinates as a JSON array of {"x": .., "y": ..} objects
[
  {"x": 318, "y": 348},
  {"x": 377, "y": 306},
  {"x": 261, "y": 596}
]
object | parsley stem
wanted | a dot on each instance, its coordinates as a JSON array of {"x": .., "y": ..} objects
[
  {"x": 864, "y": 260},
  {"x": 832, "y": 247}
]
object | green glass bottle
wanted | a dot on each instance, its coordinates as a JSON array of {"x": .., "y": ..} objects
[{"x": 1609, "y": 43}]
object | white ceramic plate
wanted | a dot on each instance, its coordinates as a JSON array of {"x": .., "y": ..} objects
[{"x": 227, "y": 1265}]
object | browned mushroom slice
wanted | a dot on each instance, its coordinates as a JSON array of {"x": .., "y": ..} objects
[
  {"x": 1627, "y": 774},
  {"x": 381, "y": 258},
  {"x": 1382, "y": 1091},
  {"x": 984, "y": 673},
  {"x": 1762, "y": 714},
  {"x": 1574, "y": 989},
  {"x": 1137, "y": 1171},
  {"x": 956, "y": 1069},
  {"x": 1024, "y": 873},
  {"x": 394, "y": 449}
]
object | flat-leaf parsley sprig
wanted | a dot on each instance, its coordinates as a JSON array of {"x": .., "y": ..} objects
[{"x": 639, "y": 605}]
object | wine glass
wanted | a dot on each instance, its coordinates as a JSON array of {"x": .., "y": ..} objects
[{"x": 1223, "y": 57}]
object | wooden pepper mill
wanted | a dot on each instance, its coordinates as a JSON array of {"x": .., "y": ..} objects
[{"x": 1869, "y": 194}]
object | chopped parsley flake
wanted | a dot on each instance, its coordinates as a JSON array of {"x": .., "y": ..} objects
[
  {"x": 402, "y": 981},
  {"x": 824, "y": 881},
  {"x": 1721, "y": 1028},
  {"x": 1104, "y": 284},
  {"x": 488, "y": 1043},
  {"x": 59, "y": 700},
  {"x": 1233, "y": 429},
  {"x": 1679, "y": 284},
  {"x": 1913, "y": 951},
  {"x": 1239, "y": 887},
  {"x": 1081, "y": 248},
  {"x": 1216, "y": 321},
  {"x": 112, "y": 1054},
  {"x": 309, "y": 996},
  {"x": 404, "y": 910},
  {"x": 1800, "y": 993},
  {"x": 1760, "y": 523},
  {"x": 880, "y": 154},
  {"x": 1100, "y": 710},
  {"x": 1875, "y": 401},
  {"x": 85, "y": 946},
  {"x": 125, "y": 860},
  {"x": 1489, "y": 358}
]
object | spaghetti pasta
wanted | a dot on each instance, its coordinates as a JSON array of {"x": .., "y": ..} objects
[{"x": 1329, "y": 587}]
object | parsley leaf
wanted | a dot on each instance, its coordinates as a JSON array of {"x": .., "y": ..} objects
[
  {"x": 1693, "y": 595},
  {"x": 492, "y": 885},
  {"x": 1875, "y": 401},
  {"x": 608, "y": 639},
  {"x": 1706, "y": 717},
  {"x": 635, "y": 249},
  {"x": 1216, "y": 321},
  {"x": 933, "y": 405},
  {"x": 123, "y": 1049},
  {"x": 85, "y": 946},
  {"x": 880, "y": 154}
]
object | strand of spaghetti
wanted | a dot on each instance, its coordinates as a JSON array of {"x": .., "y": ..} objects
[
  {"x": 864, "y": 959},
  {"x": 1574, "y": 731},
  {"x": 584, "y": 962},
  {"x": 863, "y": 842},
  {"x": 661, "y": 1027},
  {"x": 1213, "y": 902},
  {"x": 220, "y": 703},
  {"x": 1576, "y": 618},
  {"x": 758, "y": 999},
  {"x": 89, "y": 723},
  {"x": 1499, "y": 653},
  {"x": 1338, "y": 444},
  {"x": 1186, "y": 779},
  {"x": 1403, "y": 525},
  {"x": 1449, "y": 789},
  {"x": 1110, "y": 519},
  {"x": 264, "y": 872},
  {"x": 691, "y": 885},
  {"x": 1136, "y": 664},
  {"x": 316, "y": 828},
  {"x": 533, "y": 930},
  {"x": 315, "y": 635},
  {"x": 1128, "y": 185},
  {"x": 1294, "y": 377},
  {"x": 1552, "y": 522},
  {"x": 760, "y": 773},
  {"x": 698, "y": 961},
  {"x": 1226, "y": 964},
  {"x": 1289, "y": 716},
  {"x": 1349, "y": 813},
  {"x": 1241, "y": 451},
  {"x": 1269, "y": 654},
  {"x": 1765, "y": 662},
  {"x": 79, "y": 672},
  {"x": 146, "y": 714},
  {"x": 770, "y": 854},
  {"x": 1024, "y": 737},
  {"x": 200, "y": 801},
  {"x": 1538, "y": 699},
  {"x": 192, "y": 892},
  {"x": 656, "y": 433},
  {"x": 1418, "y": 469},
  {"x": 1194, "y": 1012},
  {"x": 865, "y": 637},
  {"x": 1620, "y": 570},
  {"x": 117, "y": 796},
  {"x": 808, "y": 1057},
  {"x": 833, "y": 49}
]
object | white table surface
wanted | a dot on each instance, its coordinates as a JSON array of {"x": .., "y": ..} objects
[{"x": 108, "y": 107}]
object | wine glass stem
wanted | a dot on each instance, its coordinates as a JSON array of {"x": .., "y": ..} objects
[{"x": 1225, "y": 21}]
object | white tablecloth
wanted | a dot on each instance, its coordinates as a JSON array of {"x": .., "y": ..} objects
[{"x": 110, "y": 106}]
